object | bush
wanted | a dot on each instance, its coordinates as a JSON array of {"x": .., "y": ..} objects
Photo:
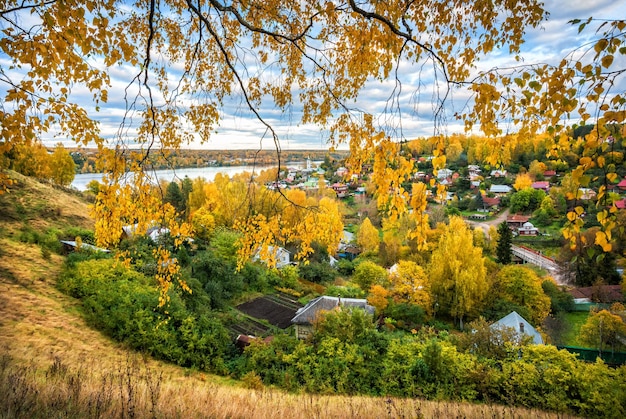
[
  {"x": 318, "y": 272},
  {"x": 124, "y": 305}
]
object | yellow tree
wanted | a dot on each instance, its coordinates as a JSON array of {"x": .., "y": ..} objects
[
  {"x": 378, "y": 298},
  {"x": 203, "y": 223},
  {"x": 602, "y": 330},
  {"x": 197, "y": 196},
  {"x": 368, "y": 237},
  {"x": 183, "y": 60},
  {"x": 62, "y": 167},
  {"x": 409, "y": 284},
  {"x": 521, "y": 287},
  {"x": 537, "y": 168},
  {"x": 457, "y": 272},
  {"x": 522, "y": 181}
]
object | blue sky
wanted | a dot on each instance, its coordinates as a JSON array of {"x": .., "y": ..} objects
[{"x": 238, "y": 130}]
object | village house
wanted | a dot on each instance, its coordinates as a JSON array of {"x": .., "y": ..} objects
[
  {"x": 498, "y": 173},
  {"x": 72, "y": 246},
  {"x": 490, "y": 203},
  {"x": 516, "y": 221},
  {"x": 620, "y": 204},
  {"x": 597, "y": 294},
  {"x": 473, "y": 170},
  {"x": 154, "y": 231},
  {"x": 306, "y": 316},
  {"x": 528, "y": 229},
  {"x": 341, "y": 172},
  {"x": 444, "y": 173},
  {"x": 341, "y": 189},
  {"x": 541, "y": 185},
  {"x": 587, "y": 194},
  {"x": 519, "y": 325},
  {"x": 500, "y": 189},
  {"x": 280, "y": 255}
]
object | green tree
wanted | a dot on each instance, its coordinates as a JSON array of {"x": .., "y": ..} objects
[
  {"x": 503, "y": 249},
  {"x": 457, "y": 272},
  {"x": 367, "y": 273},
  {"x": 174, "y": 197},
  {"x": 560, "y": 299},
  {"x": 521, "y": 287},
  {"x": 603, "y": 330},
  {"x": 527, "y": 200}
]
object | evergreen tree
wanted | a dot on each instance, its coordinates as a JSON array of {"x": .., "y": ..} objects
[
  {"x": 503, "y": 250},
  {"x": 174, "y": 196},
  {"x": 480, "y": 204}
]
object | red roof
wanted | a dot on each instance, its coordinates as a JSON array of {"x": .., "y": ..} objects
[
  {"x": 604, "y": 293},
  {"x": 549, "y": 173},
  {"x": 621, "y": 204},
  {"x": 622, "y": 184},
  {"x": 517, "y": 218},
  {"x": 491, "y": 202},
  {"x": 541, "y": 185}
]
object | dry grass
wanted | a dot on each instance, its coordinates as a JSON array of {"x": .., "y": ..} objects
[
  {"x": 138, "y": 388},
  {"x": 53, "y": 365}
]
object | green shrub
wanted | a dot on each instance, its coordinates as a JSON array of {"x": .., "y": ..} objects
[{"x": 124, "y": 303}]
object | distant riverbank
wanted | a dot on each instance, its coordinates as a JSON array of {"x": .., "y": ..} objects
[{"x": 82, "y": 180}]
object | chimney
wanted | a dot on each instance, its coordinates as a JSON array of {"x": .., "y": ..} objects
[{"x": 521, "y": 327}]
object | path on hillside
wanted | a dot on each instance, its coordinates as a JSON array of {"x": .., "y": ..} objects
[{"x": 486, "y": 224}]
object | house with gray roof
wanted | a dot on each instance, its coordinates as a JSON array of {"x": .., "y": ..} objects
[
  {"x": 520, "y": 325},
  {"x": 306, "y": 316},
  {"x": 500, "y": 189}
]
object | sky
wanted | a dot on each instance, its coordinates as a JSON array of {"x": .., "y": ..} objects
[{"x": 239, "y": 130}]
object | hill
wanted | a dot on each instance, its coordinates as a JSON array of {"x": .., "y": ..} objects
[{"x": 53, "y": 364}]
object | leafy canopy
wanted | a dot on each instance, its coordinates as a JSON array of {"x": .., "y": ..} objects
[{"x": 185, "y": 59}]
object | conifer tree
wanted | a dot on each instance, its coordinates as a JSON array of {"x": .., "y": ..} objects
[{"x": 503, "y": 250}]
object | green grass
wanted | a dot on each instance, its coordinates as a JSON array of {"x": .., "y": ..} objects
[{"x": 574, "y": 321}]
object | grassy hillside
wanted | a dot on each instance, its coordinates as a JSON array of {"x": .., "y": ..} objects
[{"x": 53, "y": 365}]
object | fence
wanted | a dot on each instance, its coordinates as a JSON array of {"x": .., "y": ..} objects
[{"x": 590, "y": 355}]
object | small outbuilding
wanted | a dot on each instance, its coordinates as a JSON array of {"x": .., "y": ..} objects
[{"x": 307, "y": 315}]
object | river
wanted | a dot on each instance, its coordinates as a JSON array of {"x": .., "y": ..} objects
[{"x": 81, "y": 180}]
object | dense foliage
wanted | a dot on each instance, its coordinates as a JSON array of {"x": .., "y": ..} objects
[
  {"x": 348, "y": 353},
  {"x": 123, "y": 304}
]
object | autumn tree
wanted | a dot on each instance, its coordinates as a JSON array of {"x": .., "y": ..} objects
[
  {"x": 457, "y": 272},
  {"x": 522, "y": 181},
  {"x": 185, "y": 61},
  {"x": 409, "y": 284},
  {"x": 62, "y": 167},
  {"x": 603, "y": 330},
  {"x": 368, "y": 237},
  {"x": 367, "y": 273},
  {"x": 519, "y": 288},
  {"x": 537, "y": 169},
  {"x": 586, "y": 262}
]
